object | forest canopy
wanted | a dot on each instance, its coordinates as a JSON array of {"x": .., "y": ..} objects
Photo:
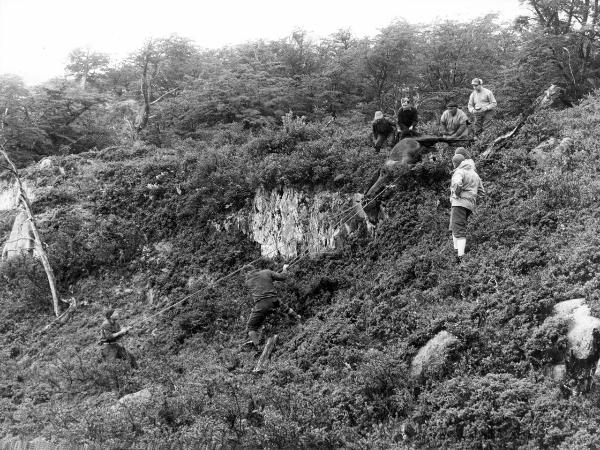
[{"x": 171, "y": 88}]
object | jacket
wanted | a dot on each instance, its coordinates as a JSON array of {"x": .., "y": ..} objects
[
  {"x": 465, "y": 185},
  {"x": 481, "y": 101},
  {"x": 260, "y": 283}
]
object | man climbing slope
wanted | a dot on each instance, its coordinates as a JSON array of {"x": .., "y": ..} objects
[
  {"x": 464, "y": 188},
  {"x": 264, "y": 295}
]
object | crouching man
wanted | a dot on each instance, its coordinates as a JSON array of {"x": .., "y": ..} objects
[{"x": 264, "y": 295}]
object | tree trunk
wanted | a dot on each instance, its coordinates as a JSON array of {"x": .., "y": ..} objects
[{"x": 38, "y": 241}]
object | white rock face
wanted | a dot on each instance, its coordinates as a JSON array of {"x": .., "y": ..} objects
[
  {"x": 582, "y": 325},
  {"x": 432, "y": 355},
  {"x": 287, "y": 222},
  {"x": 21, "y": 238}
]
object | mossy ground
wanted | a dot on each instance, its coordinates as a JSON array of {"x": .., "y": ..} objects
[{"x": 340, "y": 377}]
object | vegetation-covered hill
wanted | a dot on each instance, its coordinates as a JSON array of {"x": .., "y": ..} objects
[{"x": 340, "y": 377}]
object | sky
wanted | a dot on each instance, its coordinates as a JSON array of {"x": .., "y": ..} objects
[{"x": 37, "y": 35}]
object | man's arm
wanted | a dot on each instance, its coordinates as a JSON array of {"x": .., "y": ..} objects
[
  {"x": 415, "y": 118},
  {"x": 108, "y": 336},
  {"x": 492, "y": 101},
  {"x": 471, "y": 104},
  {"x": 460, "y": 130},
  {"x": 456, "y": 184},
  {"x": 280, "y": 276}
]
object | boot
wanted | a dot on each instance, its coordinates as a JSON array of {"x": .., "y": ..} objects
[{"x": 461, "y": 243}]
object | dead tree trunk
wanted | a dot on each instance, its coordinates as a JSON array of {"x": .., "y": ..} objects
[
  {"x": 38, "y": 241},
  {"x": 266, "y": 353},
  {"x": 145, "y": 88}
]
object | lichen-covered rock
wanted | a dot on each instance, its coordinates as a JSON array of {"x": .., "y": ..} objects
[
  {"x": 21, "y": 239},
  {"x": 288, "y": 222},
  {"x": 433, "y": 355},
  {"x": 582, "y": 325}
]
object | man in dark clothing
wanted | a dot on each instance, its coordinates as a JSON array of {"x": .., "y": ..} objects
[
  {"x": 111, "y": 333},
  {"x": 264, "y": 295},
  {"x": 408, "y": 117},
  {"x": 382, "y": 129}
]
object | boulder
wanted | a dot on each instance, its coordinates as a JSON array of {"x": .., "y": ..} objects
[
  {"x": 135, "y": 400},
  {"x": 543, "y": 154},
  {"x": 580, "y": 337},
  {"x": 17, "y": 443},
  {"x": 21, "y": 238},
  {"x": 433, "y": 355}
]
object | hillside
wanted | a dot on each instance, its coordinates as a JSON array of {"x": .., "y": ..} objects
[{"x": 133, "y": 227}]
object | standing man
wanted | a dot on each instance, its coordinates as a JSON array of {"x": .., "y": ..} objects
[
  {"x": 382, "y": 129},
  {"x": 111, "y": 333},
  {"x": 454, "y": 122},
  {"x": 264, "y": 295},
  {"x": 464, "y": 188},
  {"x": 408, "y": 117},
  {"x": 481, "y": 104}
]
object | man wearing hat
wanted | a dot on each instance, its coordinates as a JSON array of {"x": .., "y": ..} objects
[
  {"x": 464, "y": 188},
  {"x": 111, "y": 333},
  {"x": 481, "y": 104},
  {"x": 454, "y": 122}
]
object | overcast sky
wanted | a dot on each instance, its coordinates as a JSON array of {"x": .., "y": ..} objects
[{"x": 37, "y": 35}]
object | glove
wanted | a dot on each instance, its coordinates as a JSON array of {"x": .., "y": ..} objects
[{"x": 285, "y": 267}]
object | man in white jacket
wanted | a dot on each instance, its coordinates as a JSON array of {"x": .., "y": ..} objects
[
  {"x": 481, "y": 104},
  {"x": 464, "y": 188}
]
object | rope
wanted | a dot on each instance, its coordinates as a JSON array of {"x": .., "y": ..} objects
[{"x": 294, "y": 261}]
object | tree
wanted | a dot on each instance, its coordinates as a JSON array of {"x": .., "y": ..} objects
[
  {"x": 565, "y": 34},
  {"x": 27, "y": 205},
  {"x": 452, "y": 53},
  {"x": 87, "y": 66},
  {"x": 387, "y": 60}
]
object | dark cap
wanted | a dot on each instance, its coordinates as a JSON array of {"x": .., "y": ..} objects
[{"x": 452, "y": 104}]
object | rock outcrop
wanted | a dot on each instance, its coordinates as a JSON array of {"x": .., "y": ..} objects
[
  {"x": 288, "y": 222},
  {"x": 433, "y": 356},
  {"x": 21, "y": 240},
  {"x": 583, "y": 345}
]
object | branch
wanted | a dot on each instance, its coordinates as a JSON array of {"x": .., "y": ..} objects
[{"x": 163, "y": 96}]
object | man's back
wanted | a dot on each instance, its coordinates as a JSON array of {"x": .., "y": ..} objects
[{"x": 260, "y": 283}]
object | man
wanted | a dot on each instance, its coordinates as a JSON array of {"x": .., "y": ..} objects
[
  {"x": 264, "y": 295},
  {"x": 481, "y": 104},
  {"x": 408, "y": 117},
  {"x": 464, "y": 188},
  {"x": 382, "y": 129},
  {"x": 454, "y": 122},
  {"x": 111, "y": 333}
]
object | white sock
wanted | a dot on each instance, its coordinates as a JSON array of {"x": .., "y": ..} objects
[
  {"x": 460, "y": 245},
  {"x": 454, "y": 242}
]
